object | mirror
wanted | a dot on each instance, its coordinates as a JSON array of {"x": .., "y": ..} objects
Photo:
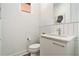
[{"x": 59, "y": 19}]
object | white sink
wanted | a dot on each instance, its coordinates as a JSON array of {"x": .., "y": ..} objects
[{"x": 64, "y": 38}]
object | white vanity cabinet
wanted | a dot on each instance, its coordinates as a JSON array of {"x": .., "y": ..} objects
[{"x": 50, "y": 47}]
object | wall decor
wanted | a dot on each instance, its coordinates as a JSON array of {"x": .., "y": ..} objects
[{"x": 26, "y": 7}]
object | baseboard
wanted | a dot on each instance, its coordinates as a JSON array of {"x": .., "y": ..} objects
[{"x": 20, "y": 53}]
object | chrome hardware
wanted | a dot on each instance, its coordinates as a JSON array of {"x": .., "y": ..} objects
[{"x": 58, "y": 44}]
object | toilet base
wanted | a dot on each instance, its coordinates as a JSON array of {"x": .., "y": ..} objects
[
  {"x": 32, "y": 54},
  {"x": 35, "y": 54}
]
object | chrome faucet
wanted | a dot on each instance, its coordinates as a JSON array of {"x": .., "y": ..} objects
[
  {"x": 59, "y": 31},
  {"x": 59, "y": 20}
]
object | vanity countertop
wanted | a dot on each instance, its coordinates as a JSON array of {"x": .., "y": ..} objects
[{"x": 65, "y": 38}]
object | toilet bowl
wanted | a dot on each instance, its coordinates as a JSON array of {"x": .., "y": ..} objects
[{"x": 34, "y": 49}]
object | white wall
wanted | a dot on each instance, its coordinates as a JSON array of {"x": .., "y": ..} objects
[
  {"x": 75, "y": 18},
  {"x": 0, "y": 37},
  {"x": 49, "y": 13},
  {"x": 46, "y": 17},
  {"x": 62, "y": 9},
  {"x": 15, "y": 25},
  {"x": 0, "y": 29},
  {"x": 74, "y": 15},
  {"x": 46, "y": 14}
]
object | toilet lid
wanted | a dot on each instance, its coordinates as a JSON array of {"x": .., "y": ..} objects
[{"x": 34, "y": 46}]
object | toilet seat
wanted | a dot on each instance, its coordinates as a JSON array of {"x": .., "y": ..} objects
[
  {"x": 34, "y": 46},
  {"x": 34, "y": 49}
]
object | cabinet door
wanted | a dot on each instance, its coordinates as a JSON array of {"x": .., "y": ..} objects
[{"x": 51, "y": 48}]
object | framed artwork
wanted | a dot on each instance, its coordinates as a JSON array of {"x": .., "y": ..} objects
[{"x": 26, "y": 7}]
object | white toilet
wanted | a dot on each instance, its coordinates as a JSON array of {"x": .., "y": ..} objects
[{"x": 34, "y": 49}]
